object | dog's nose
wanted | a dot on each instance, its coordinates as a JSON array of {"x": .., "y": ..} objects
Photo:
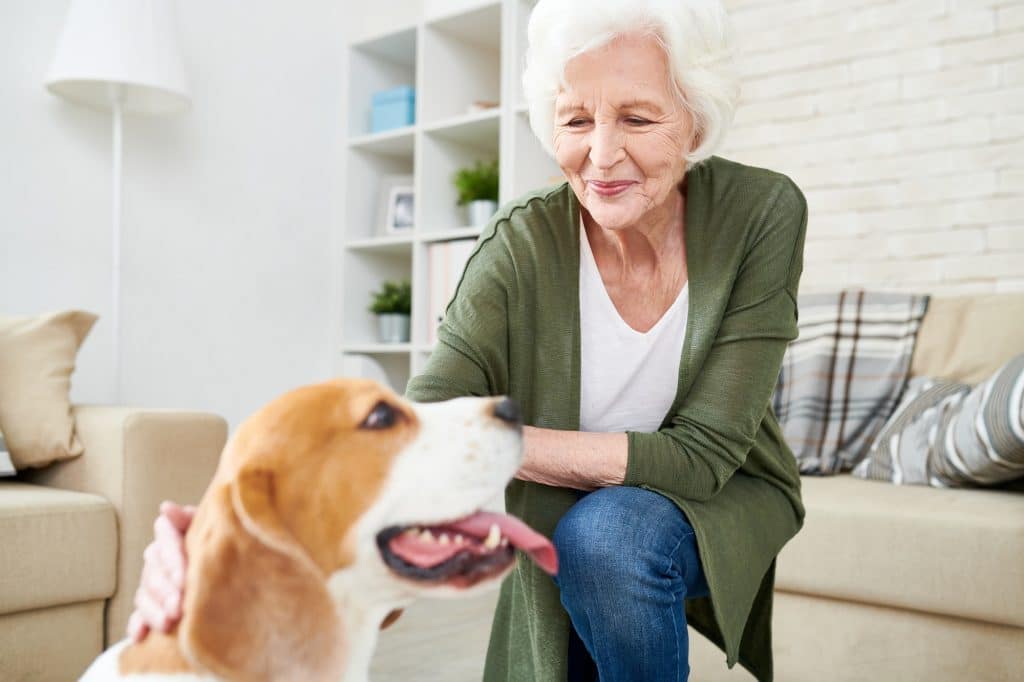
[{"x": 508, "y": 411}]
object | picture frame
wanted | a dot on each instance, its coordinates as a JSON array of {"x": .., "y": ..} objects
[
  {"x": 401, "y": 203},
  {"x": 395, "y": 205}
]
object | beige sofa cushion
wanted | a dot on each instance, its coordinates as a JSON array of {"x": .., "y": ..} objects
[
  {"x": 59, "y": 547},
  {"x": 827, "y": 640},
  {"x": 967, "y": 338},
  {"x": 955, "y": 552},
  {"x": 37, "y": 356},
  {"x": 50, "y": 645}
]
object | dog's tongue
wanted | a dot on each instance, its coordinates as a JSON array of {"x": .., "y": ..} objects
[{"x": 521, "y": 536}]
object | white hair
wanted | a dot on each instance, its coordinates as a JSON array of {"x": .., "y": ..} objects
[{"x": 695, "y": 34}]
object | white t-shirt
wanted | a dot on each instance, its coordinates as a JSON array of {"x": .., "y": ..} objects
[{"x": 628, "y": 379}]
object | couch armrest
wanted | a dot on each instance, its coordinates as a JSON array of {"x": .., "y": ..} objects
[{"x": 135, "y": 458}]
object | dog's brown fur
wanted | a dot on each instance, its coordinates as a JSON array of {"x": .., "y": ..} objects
[{"x": 270, "y": 529}]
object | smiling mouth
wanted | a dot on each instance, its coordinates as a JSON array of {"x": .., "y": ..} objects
[
  {"x": 464, "y": 552},
  {"x": 609, "y": 188}
]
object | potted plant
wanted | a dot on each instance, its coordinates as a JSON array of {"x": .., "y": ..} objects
[
  {"x": 478, "y": 190},
  {"x": 392, "y": 305}
]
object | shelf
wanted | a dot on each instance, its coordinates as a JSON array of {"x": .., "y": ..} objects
[
  {"x": 397, "y": 46},
  {"x": 397, "y": 142},
  {"x": 457, "y": 233},
  {"x": 445, "y": 152},
  {"x": 454, "y": 53},
  {"x": 396, "y": 244},
  {"x": 379, "y": 64},
  {"x": 376, "y": 348},
  {"x": 477, "y": 129},
  {"x": 461, "y": 62},
  {"x": 479, "y": 26}
]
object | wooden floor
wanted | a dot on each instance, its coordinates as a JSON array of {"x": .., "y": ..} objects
[
  {"x": 446, "y": 641},
  {"x": 436, "y": 640}
]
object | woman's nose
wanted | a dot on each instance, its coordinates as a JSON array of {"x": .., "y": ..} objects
[{"x": 607, "y": 145}]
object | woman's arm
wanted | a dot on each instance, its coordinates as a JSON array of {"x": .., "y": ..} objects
[{"x": 573, "y": 459}]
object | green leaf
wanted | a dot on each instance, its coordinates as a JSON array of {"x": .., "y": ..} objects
[
  {"x": 393, "y": 297},
  {"x": 478, "y": 182}
]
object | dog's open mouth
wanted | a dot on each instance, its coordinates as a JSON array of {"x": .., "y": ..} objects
[{"x": 465, "y": 552}]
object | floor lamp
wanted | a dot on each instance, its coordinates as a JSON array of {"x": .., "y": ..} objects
[{"x": 120, "y": 56}]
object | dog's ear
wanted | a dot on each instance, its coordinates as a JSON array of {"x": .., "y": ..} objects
[
  {"x": 391, "y": 618},
  {"x": 252, "y": 498},
  {"x": 256, "y": 606}
]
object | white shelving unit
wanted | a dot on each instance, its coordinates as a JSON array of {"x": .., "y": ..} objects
[{"x": 456, "y": 53}]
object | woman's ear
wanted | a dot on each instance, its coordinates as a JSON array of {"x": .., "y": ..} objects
[{"x": 256, "y": 606}]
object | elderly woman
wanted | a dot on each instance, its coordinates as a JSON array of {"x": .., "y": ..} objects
[{"x": 638, "y": 313}]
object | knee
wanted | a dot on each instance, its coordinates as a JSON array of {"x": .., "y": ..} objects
[
  {"x": 578, "y": 541},
  {"x": 602, "y": 534}
]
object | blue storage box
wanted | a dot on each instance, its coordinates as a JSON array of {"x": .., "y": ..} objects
[{"x": 393, "y": 108}]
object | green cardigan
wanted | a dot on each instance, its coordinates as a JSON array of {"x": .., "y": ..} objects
[{"x": 512, "y": 328}]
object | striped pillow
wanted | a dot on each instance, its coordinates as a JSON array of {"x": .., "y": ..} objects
[{"x": 946, "y": 434}]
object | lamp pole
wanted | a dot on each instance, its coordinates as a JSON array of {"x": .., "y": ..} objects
[{"x": 115, "y": 103}]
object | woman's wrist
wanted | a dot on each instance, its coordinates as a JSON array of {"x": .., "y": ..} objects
[{"x": 573, "y": 459}]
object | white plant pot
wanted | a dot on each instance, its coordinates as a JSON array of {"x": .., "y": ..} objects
[
  {"x": 393, "y": 327},
  {"x": 480, "y": 211}
]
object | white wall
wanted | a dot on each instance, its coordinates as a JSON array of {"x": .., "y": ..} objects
[
  {"x": 228, "y": 210},
  {"x": 903, "y": 122}
]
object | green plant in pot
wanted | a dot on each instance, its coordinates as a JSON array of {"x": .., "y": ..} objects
[
  {"x": 392, "y": 305},
  {"x": 478, "y": 190}
]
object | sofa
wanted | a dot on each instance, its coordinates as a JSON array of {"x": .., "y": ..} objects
[
  {"x": 73, "y": 533},
  {"x": 904, "y": 582}
]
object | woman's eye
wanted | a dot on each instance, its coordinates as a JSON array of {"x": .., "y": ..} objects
[
  {"x": 576, "y": 122},
  {"x": 633, "y": 120},
  {"x": 382, "y": 416}
]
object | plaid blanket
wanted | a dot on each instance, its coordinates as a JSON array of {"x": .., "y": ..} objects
[{"x": 843, "y": 375}]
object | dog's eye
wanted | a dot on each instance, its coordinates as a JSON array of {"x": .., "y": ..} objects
[{"x": 382, "y": 416}]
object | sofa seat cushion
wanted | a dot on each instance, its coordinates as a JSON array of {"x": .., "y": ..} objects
[
  {"x": 956, "y": 552},
  {"x": 59, "y": 547}
]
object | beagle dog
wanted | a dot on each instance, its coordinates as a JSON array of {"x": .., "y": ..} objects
[{"x": 333, "y": 508}]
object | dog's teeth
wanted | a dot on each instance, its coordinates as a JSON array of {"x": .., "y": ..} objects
[
  {"x": 459, "y": 539},
  {"x": 493, "y": 537},
  {"x": 426, "y": 535},
  {"x": 504, "y": 542},
  {"x": 444, "y": 539}
]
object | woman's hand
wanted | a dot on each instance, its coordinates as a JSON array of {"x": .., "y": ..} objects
[{"x": 161, "y": 592}]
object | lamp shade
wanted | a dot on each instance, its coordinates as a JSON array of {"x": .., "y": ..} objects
[{"x": 131, "y": 44}]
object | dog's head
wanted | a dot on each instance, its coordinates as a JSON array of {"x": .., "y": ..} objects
[{"x": 341, "y": 493}]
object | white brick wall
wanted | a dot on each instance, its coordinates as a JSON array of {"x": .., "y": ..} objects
[{"x": 903, "y": 123}]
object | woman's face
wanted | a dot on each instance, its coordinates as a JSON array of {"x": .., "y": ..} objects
[{"x": 621, "y": 133}]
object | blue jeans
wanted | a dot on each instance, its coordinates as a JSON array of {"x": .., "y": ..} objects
[{"x": 627, "y": 558}]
